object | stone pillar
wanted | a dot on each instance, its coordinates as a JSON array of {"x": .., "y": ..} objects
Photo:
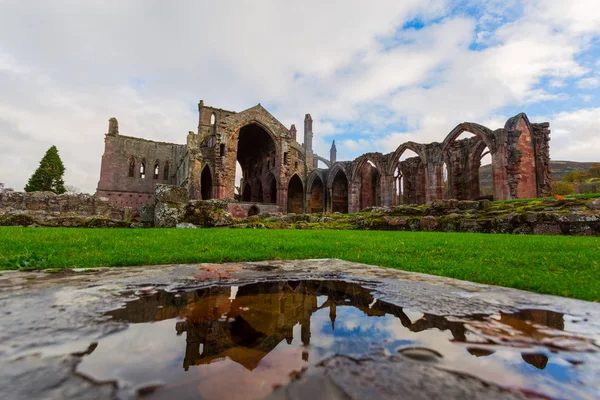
[
  {"x": 308, "y": 133},
  {"x": 434, "y": 172},
  {"x": 541, "y": 136},
  {"x": 354, "y": 196},
  {"x": 500, "y": 162},
  {"x": 282, "y": 195},
  {"x": 194, "y": 180},
  {"x": 387, "y": 190},
  {"x": 113, "y": 126},
  {"x": 200, "y": 109},
  {"x": 332, "y": 153},
  {"x": 293, "y": 132}
]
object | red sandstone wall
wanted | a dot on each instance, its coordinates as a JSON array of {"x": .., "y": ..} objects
[
  {"x": 526, "y": 187},
  {"x": 115, "y": 182},
  {"x": 128, "y": 199}
]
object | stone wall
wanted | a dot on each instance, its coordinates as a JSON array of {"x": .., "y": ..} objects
[
  {"x": 67, "y": 210},
  {"x": 173, "y": 207},
  {"x": 547, "y": 217},
  {"x": 131, "y": 167}
]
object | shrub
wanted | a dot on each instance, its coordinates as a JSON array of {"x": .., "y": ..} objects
[{"x": 562, "y": 188}]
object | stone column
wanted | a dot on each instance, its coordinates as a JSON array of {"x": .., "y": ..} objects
[
  {"x": 500, "y": 162},
  {"x": 434, "y": 172},
  {"x": 387, "y": 190},
  {"x": 353, "y": 196}
]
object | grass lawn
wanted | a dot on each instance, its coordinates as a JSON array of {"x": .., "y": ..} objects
[{"x": 560, "y": 265}]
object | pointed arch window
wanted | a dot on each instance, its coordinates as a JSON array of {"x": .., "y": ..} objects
[
  {"x": 156, "y": 169},
  {"x": 143, "y": 169},
  {"x": 166, "y": 171},
  {"x": 131, "y": 172}
]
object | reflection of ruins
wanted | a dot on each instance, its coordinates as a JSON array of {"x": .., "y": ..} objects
[{"x": 245, "y": 324}]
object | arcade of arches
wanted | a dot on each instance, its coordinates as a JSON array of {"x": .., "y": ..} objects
[{"x": 276, "y": 170}]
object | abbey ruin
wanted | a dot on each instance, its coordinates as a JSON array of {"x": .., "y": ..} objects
[{"x": 281, "y": 175}]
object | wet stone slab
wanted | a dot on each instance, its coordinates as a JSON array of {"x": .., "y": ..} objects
[{"x": 289, "y": 330}]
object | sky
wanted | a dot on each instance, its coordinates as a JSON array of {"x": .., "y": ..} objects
[{"x": 372, "y": 74}]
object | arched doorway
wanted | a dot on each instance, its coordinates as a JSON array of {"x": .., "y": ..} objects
[
  {"x": 256, "y": 157},
  {"x": 247, "y": 193},
  {"x": 370, "y": 185},
  {"x": 206, "y": 184},
  {"x": 339, "y": 193},
  {"x": 271, "y": 195},
  {"x": 469, "y": 165},
  {"x": 257, "y": 191},
  {"x": 409, "y": 176},
  {"x": 316, "y": 196},
  {"x": 295, "y": 195}
]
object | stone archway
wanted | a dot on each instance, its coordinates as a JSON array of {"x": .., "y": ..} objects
[
  {"x": 255, "y": 151},
  {"x": 317, "y": 198},
  {"x": 339, "y": 193},
  {"x": 257, "y": 191},
  {"x": 369, "y": 180},
  {"x": 295, "y": 195},
  {"x": 270, "y": 196},
  {"x": 206, "y": 186}
]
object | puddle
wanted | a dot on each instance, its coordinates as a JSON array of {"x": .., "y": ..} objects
[{"x": 242, "y": 342}]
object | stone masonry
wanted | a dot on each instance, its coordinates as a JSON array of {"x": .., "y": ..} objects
[{"x": 280, "y": 172}]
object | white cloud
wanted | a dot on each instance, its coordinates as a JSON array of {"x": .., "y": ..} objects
[
  {"x": 557, "y": 83},
  {"x": 68, "y": 66},
  {"x": 588, "y": 83},
  {"x": 575, "y": 135}
]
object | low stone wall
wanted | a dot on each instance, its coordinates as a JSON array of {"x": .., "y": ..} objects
[
  {"x": 548, "y": 217},
  {"x": 172, "y": 207},
  {"x": 65, "y": 210},
  {"x": 243, "y": 210}
]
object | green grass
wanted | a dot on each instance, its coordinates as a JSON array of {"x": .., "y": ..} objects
[{"x": 560, "y": 265}]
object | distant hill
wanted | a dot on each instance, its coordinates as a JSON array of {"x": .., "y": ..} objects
[{"x": 559, "y": 169}]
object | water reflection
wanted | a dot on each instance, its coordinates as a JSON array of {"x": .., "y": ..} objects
[{"x": 260, "y": 335}]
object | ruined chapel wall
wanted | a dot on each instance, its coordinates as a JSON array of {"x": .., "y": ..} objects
[
  {"x": 541, "y": 136},
  {"x": 133, "y": 191}
]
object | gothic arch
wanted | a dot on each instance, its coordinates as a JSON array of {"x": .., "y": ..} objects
[
  {"x": 234, "y": 131},
  {"x": 270, "y": 189},
  {"x": 313, "y": 175},
  {"x": 478, "y": 130},
  {"x": 338, "y": 187},
  {"x": 418, "y": 148},
  {"x": 295, "y": 203},
  {"x": 156, "y": 170},
  {"x": 316, "y": 192},
  {"x": 131, "y": 166},
  {"x": 337, "y": 167},
  {"x": 375, "y": 158}
]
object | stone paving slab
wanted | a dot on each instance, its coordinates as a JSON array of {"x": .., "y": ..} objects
[{"x": 48, "y": 320}]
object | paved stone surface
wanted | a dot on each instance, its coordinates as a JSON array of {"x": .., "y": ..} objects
[{"x": 49, "y": 320}]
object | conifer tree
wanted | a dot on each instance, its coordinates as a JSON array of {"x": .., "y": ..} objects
[{"x": 49, "y": 175}]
